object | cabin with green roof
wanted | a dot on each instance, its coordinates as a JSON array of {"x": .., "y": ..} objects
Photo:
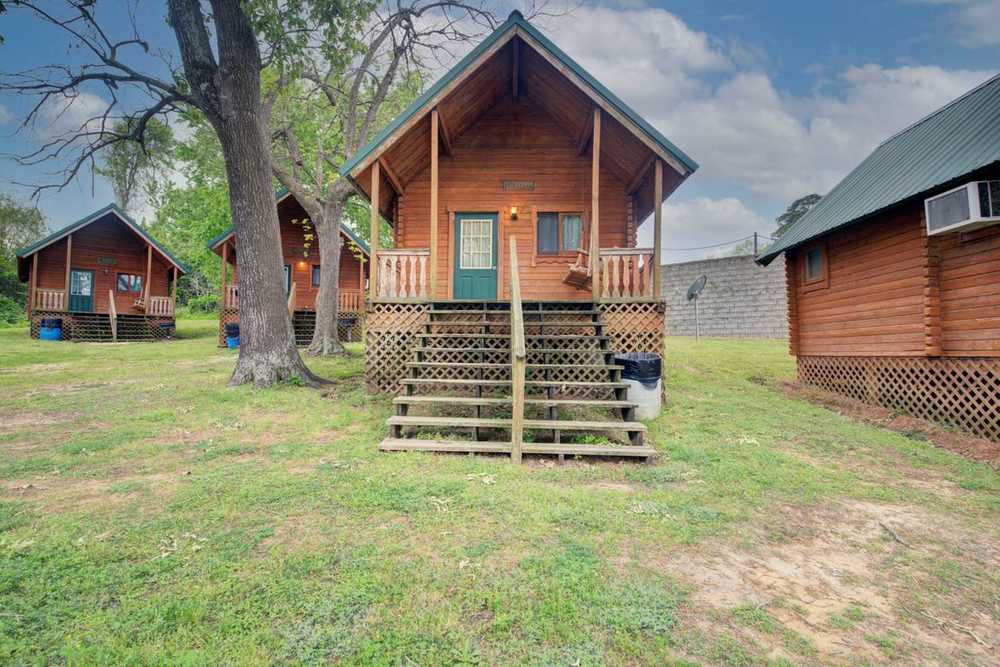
[
  {"x": 514, "y": 187},
  {"x": 301, "y": 261},
  {"x": 893, "y": 278},
  {"x": 101, "y": 278}
]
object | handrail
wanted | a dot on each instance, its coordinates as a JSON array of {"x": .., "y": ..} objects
[
  {"x": 518, "y": 357},
  {"x": 291, "y": 299},
  {"x": 113, "y": 315}
]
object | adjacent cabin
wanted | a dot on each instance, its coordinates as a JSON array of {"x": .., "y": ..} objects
[
  {"x": 514, "y": 187},
  {"x": 893, "y": 278},
  {"x": 300, "y": 256},
  {"x": 102, "y": 278}
]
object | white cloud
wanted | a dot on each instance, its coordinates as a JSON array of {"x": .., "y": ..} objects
[
  {"x": 746, "y": 132},
  {"x": 64, "y": 115},
  {"x": 975, "y": 21},
  {"x": 711, "y": 97},
  {"x": 5, "y": 116},
  {"x": 702, "y": 222},
  {"x": 647, "y": 56}
]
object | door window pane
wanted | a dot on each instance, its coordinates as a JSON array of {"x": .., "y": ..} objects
[
  {"x": 572, "y": 233},
  {"x": 477, "y": 244},
  {"x": 315, "y": 276},
  {"x": 81, "y": 284},
  {"x": 288, "y": 278},
  {"x": 548, "y": 233}
]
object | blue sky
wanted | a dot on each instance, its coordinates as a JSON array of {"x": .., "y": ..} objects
[{"x": 773, "y": 99}]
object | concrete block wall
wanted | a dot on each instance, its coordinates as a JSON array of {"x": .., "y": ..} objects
[{"x": 741, "y": 298}]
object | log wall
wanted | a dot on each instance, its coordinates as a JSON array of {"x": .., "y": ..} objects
[
  {"x": 514, "y": 140},
  {"x": 107, "y": 247}
]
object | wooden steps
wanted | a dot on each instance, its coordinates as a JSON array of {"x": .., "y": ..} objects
[
  {"x": 506, "y": 383},
  {"x": 488, "y": 366},
  {"x": 460, "y": 359},
  {"x": 487, "y": 447},
  {"x": 486, "y": 401}
]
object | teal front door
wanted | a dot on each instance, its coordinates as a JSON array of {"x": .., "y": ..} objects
[
  {"x": 475, "y": 256},
  {"x": 81, "y": 291}
]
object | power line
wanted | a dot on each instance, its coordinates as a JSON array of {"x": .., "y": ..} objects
[{"x": 721, "y": 245}]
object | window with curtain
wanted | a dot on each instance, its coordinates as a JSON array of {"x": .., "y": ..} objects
[
  {"x": 315, "y": 276},
  {"x": 559, "y": 233},
  {"x": 129, "y": 282}
]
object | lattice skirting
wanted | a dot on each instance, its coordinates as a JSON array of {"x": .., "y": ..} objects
[
  {"x": 960, "y": 392},
  {"x": 390, "y": 337},
  {"x": 635, "y": 327},
  {"x": 349, "y": 331},
  {"x": 96, "y": 327}
]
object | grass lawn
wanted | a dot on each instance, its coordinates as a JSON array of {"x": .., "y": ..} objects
[{"x": 150, "y": 515}]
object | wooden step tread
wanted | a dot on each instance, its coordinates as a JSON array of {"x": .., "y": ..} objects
[
  {"x": 506, "y": 350},
  {"x": 473, "y": 334},
  {"x": 505, "y": 383},
  {"x": 488, "y": 401},
  {"x": 493, "y": 447},
  {"x": 506, "y": 323},
  {"x": 450, "y": 364},
  {"x": 504, "y": 422}
]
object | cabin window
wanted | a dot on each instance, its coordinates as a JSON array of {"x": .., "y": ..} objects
[
  {"x": 315, "y": 276},
  {"x": 129, "y": 282},
  {"x": 815, "y": 265},
  {"x": 559, "y": 233}
]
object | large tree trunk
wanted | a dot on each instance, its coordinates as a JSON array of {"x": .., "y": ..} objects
[
  {"x": 229, "y": 94},
  {"x": 267, "y": 343},
  {"x": 325, "y": 338}
]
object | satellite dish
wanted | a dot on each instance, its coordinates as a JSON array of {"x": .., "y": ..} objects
[{"x": 696, "y": 287}]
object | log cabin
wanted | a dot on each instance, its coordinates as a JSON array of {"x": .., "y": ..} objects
[
  {"x": 893, "y": 278},
  {"x": 104, "y": 278},
  {"x": 300, "y": 257},
  {"x": 514, "y": 187}
]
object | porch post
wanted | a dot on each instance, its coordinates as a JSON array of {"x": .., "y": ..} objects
[
  {"x": 595, "y": 206},
  {"x": 222, "y": 276},
  {"x": 69, "y": 259},
  {"x": 33, "y": 284},
  {"x": 149, "y": 274},
  {"x": 658, "y": 229},
  {"x": 173, "y": 291},
  {"x": 434, "y": 202},
  {"x": 373, "y": 270}
]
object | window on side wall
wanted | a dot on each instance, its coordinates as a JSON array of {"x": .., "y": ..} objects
[
  {"x": 559, "y": 233},
  {"x": 315, "y": 276},
  {"x": 129, "y": 282},
  {"x": 814, "y": 268}
]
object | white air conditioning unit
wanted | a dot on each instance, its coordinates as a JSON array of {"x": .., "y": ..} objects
[{"x": 974, "y": 205}]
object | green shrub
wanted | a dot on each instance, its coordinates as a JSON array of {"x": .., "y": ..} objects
[
  {"x": 207, "y": 303},
  {"x": 11, "y": 312}
]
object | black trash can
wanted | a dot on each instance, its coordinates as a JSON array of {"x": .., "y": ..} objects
[{"x": 643, "y": 373}]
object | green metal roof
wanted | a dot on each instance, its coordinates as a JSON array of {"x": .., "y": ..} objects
[
  {"x": 279, "y": 195},
  {"x": 516, "y": 20},
  {"x": 955, "y": 140},
  {"x": 93, "y": 217}
]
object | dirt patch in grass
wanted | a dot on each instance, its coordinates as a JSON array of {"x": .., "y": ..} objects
[
  {"x": 34, "y": 419},
  {"x": 969, "y": 446},
  {"x": 833, "y": 581}
]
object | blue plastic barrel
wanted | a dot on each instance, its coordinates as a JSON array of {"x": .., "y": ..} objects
[
  {"x": 50, "y": 329},
  {"x": 50, "y": 333},
  {"x": 232, "y": 342}
]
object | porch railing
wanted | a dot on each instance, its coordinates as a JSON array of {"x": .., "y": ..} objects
[
  {"x": 402, "y": 273},
  {"x": 518, "y": 358},
  {"x": 231, "y": 297},
  {"x": 351, "y": 301},
  {"x": 160, "y": 306},
  {"x": 49, "y": 299},
  {"x": 626, "y": 273}
]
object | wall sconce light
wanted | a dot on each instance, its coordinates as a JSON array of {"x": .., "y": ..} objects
[{"x": 513, "y": 213}]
